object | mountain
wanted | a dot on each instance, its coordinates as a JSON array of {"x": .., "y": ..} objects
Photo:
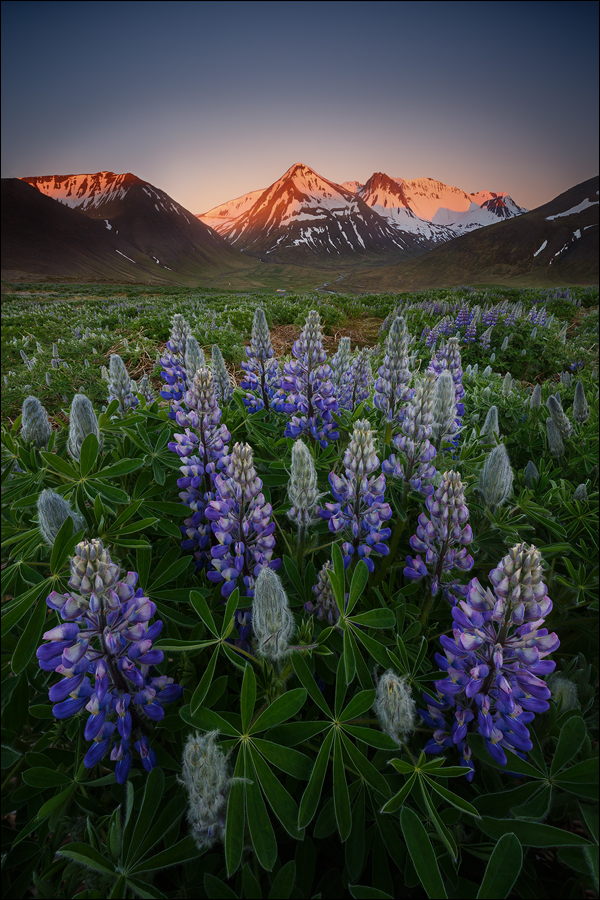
[
  {"x": 557, "y": 243},
  {"x": 45, "y": 238},
  {"x": 304, "y": 212},
  {"x": 170, "y": 236}
]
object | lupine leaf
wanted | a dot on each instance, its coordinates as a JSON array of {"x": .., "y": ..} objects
[
  {"x": 341, "y": 799},
  {"x": 358, "y": 705},
  {"x": 312, "y": 794},
  {"x": 357, "y": 585},
  {"x": 88, "y": 454},
  {"x": 531, "y": 834},
  {"x": 571, "y": 738},
  {"x": 366, "y": 768},
  {"x": 177, "y": 855},
  {"x": 203, "y": 686},
  {"x": 400, "y": 798},
  {"x": 30, "y": 637},
  {"x": 307, "y": 680},
  {"x": 283, "y": 882},
  {"x": 217, "y": 889},
  {"x": 247, "y": 697},
  {"x": 281, "y": 802},
  {"x": 153, "y": 792},
  {"x": 285, "y": 758},
  {"x": 88, "y": 857},
  {"x": 280, "y": 710},
  {"x": 259, "y": 824},
  {"x": 201, "y": 607},
  {"x": 422, "y": 854},
  {"x": 236, "y": 818},
  {"x": 503, "y": 868},
  {"x": 452, "y": 798}
]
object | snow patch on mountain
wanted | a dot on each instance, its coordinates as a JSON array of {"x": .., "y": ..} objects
[{"x": 574, "y": 209}]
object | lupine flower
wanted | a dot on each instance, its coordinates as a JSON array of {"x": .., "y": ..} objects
[
  {"x": 82, "y": 422},
  {"x": 535, "y": 401},
  {"x": 173, "y": 362},
  {"x": 145, "y": 389},
  {"x": 445, "y": 419},
  {"x": 272, "y": 621},
  {"x": 507, "y": 385},
  {"x": 106, "y": 636},
  {"x": 193, "y": 359},
  {"x": 413, "y": 463},
  {"x": 394, "y": 706},
  {"x": 491, "y": 426},
  {"x": 340, "y": 363},
  {"x": 531, "y": 474},
  {"x": 555, "y": 441},
  {"x": 325, "y": 604},
  {"x": 222, "y": 381},
  {"x": 119, "y": 385},
  {"x": 580, "y": 494},
  {"x": 443, "y": 536},
  {"x": 392, "y": 387},
  {"x": 302, "y": 491},
  {"x": 360, "y": 509},
  {"x": 581, "y": 410},
  {"x": 53, "y": 511},
  {"x": 564, "y": 692},
  {"x": 487, "y": 372},
  {"x": 310, "y": 391},
  {"x": 448, "y": 358},
  {"x": 505, "y": 343},
  {"x": 496, "y": 479},
  {"x": 205, "y": 773},
  {"x": 559, "y": 418},
  {"x": 262, "y": 376},
  {"x": 35, "y": 427},
  {"x": 356, "y": 381},
  {"x": 495, "y": 662},
  {"x": 241, "y": 522},
  {"x": 202, "y": 448}
]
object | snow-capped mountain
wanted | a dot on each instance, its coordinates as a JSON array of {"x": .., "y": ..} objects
[
  {"x": 140, "y": 213},
  {"x": 304, "y": 211}
]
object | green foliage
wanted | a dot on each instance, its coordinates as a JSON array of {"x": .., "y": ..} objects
[{"x": 322, "y": 802}]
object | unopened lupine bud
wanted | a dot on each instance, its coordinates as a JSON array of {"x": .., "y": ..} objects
[
  {"x": 535, "y": 401},
  {"x": 496, "y": 478},
  {"x": 488, "y": 372},
  {"x": 104, "y": 373},
  {"x": 119, "y": 384},
  {"x": 303, "y": 492},
  {"x": 581, "y": 493},
  {"x": 491, "y": 426},
  {"x": 223, "y": 388},
  {"x": 145, "y": 389},
  {"x": 325, "y": 603},
  {"x": 565, "y": 378},
  {"x": 272, "y": 621},
  {"x": 394, "y": 706},
  {"x": 559, "y": 417},
  {"x": 555, "y": 441},
  {"x": 53, "y": 510},
  {"x": 505, "y": 343},
  {"x": 444, "y": 409},
  {"x": 194, "y": 358},
  {"x": 507, "y": 385},
  {"x": 48, "y": 379},
  {"x": 261, "y": 337},
  {"x": 205, "y": 773},
  {"x": 531, "y": 474},
  {"x": 82, "y": 422},
  {"x": 564, "y": 692},
  {"x": 581, "y": 410},
  {"x": 35, "y": 426},
  {"x": 492, "y": 357}
]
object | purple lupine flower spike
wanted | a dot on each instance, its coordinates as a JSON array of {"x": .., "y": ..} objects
[
  {"x": 325, "y": 604},
  {"x": 173, "y": 363},
  {"x": 413, "y": 464},
  {"x": 495, "y": 662},
  {"x": 310, "y": 398},
  {"x": 443, "y": 537},
  {"x": 241, "y": 522},
  {"x": 263, "y": 378},
  {"x": 355, "y": 384},
  {"x": 106, "y": 635},
  {"x": 360, "y": 510},
  {"x": 448, "y": 357},
  {"x": 391, "y": 388}
]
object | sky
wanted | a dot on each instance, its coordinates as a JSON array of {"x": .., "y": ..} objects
[{"x": 210, "y": 100}]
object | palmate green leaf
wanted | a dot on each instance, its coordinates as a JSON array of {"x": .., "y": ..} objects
[
  {"x": 375, "y": 618},
  {"x": 303, "y": 672},
  {"x": 514, "y": 762},
  {"x": 400, "y": 798},
  {"x": 170, "y": 574},
  {"x": 355, "y": 845},
  {"x": 291, "y": 570},
  {"x": 23, "y": 603},
  {"x": 250, "y": 885},
  {"x": 88, "y": 857},
  {"x": 452, "y": 798},
  {"x": 204, "y": 684},
  {"x": 357, "y": 585},
  {"x": 144, "y": 890},
  {"x": 64, "y": 544},
  {"x": 348, "y": 657},
  {"x": 571, "y": 738},
  {"x": 88, "y": 455},
  {"x": 259, "y": 823},
  {"x": 364, "y": 892},
  {"x": 295, "y": 733},
  {"x": 45, "y": 778},
  {"x": 531, "y": 834},
  {"x": 371, "y": 736},
  {"x": 422, "y": 854},
  {"x": 31, "y": 636},
  {"x": 281, "y": 802},
  {"x": 208, "y": 720},
  {"x": 230, "y": 608},
  {"x": 217, "y": 889},
  {"x": 312, "y": 794},
  {"x": 283, "y": 883},
  {"x": 177, "y": 855},
  {"x": 503, "y": 868},
  {"x": 107, "y": 490},
  {"x": 236, "y": 818},
  {"x": 537, "y": 807},
  {"x": 153, "y": 792},
  {"x": 201, "y": 606},
  {"x": 248, "y": 697},
  {"x": 377, "y": 650},
  {"x": 283, "y": 708},
  {"x": 358, "y": 705},
  {"x": 285, "y": 758},
  {"x": 337, "y": 577},
  {"x": 59, "y": 465},
  {"x": 365, "y": 768},
  {"x": 123, "y": 467},
  {"x": 341, "y": 798},
  {"x": 444, "y": 833}
]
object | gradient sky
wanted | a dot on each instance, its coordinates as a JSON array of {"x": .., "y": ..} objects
[{"x": 210, "y": 100}]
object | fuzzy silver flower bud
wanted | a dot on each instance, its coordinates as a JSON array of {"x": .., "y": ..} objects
[
  {"x": 581, "y": 410},
  {"x": 53, "y": 510},
  {"x": 531, "y": 474},
  {"x": 194, "y": 358},
  {"x": 564, "y": 692},
  {"x": 581, "y": 493},
  {"x": 119, "y": 384},
  {"x": 507, "y": 385},
  {"x": 35, "y": 426},
  {"x": 491, "y": 426},
  {"x": 145, "y": 389},
  {"x": 303, "y": 492},
  {"x": 535, "y": 401},
  {"x": 261, "y": 337},
  {"x": 205, "y": 773},
  {"x": 444, "y": 409},
  {"x": 559, "y": 417},
  {"x": 555, "y": 441},
  {"x": 223, "y": 388},
  {"x": 496, "y": 478},
  {"x": 272, "y": 621},
  {"x": 487, "y": 372},
  {"x": 82, "y": 422},
  {"x": 394, "y": 706}
]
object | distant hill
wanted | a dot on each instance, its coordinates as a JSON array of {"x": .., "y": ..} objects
[{"x": 557, "y": 243}]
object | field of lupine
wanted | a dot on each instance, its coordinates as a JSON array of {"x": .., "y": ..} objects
[{"x": 303, "y": 619}]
